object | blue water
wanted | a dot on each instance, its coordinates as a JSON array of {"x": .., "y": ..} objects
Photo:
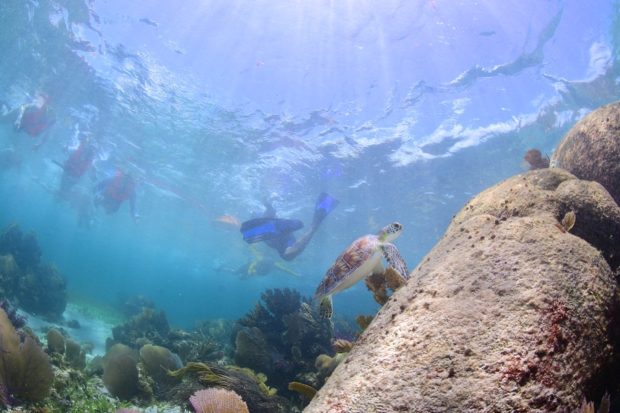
[{"x": 402, "y": 110}]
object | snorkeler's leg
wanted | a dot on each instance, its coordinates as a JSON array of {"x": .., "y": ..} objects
[
  {"x": 325, "y": 204},
  {"x": 270, "y": 211},
  {"x": 18, "y": 120},
  {"x": 297, "y": 248}
]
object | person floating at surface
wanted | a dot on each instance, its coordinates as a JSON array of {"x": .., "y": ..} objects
[
  {"x": 79, "y": 161},
  {"x": 36, "y": 117},
  {"x": 278, "y": 233},
  {"x": 111, "y": 192}
]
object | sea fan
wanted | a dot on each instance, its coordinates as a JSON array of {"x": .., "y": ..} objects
[{"x": 217, "y": 400}]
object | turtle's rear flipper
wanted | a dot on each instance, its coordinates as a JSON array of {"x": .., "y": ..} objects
[
  {"x": 326, "y": 307},
  {"x": 395, "y": 260}
]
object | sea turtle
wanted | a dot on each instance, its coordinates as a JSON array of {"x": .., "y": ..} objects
[{"x": 361, "y": 259}]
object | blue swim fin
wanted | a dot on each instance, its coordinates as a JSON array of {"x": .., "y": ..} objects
[
  {"x": 324, "y": 205},
  {"x": 262, "y": 229}
]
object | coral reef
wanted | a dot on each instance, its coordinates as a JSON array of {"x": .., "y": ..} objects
[
  {"x": 281, "y": 337},
  {"x": 342, "y": 346},
  {"x": 588, "y": 407},
  {"x": 380, "y": 283},
  {"x": 216, "y": 400},
  {"x": 74, "y": 392},
  {"x": 75, "y": 355},
  {"x": 8, "y": 265},
  {"x": 151, "y": 327},
  {"x": 17, "y": 320},
  {"x": 253, "y": 351},
  {"x": 64, "y": 351},
  {"x": 363, "y": 321},
  {"x": 24, "y": 248},
  {"x": 303, "y": 389},
  {"x": 42, "y": 291},
  {"x": 135, "y": 304},
  {"x": 34, "y": 286},
  {"x": 249, "y": 385},
  {"x": 120, "y": 372},
  {"x": 25, "y": 370},
  {"x": 148, "y": 327},
  {"x": 199, "y": 345},
  {"x": 157, "y": 361},
  {"x": 55, "y": 341},
  {"x": 326, "y": 364},
  {"x": 591, "y": 149},
  {"x": 506, "y": 313}
]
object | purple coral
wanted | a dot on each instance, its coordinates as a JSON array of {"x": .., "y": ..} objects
[{"x": 217, "y": 400}]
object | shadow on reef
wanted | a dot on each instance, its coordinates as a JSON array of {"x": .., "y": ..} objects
[{"x": 36, "y": 287}]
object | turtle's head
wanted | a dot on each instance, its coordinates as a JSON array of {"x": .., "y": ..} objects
[{"x": 390, "y": 232}]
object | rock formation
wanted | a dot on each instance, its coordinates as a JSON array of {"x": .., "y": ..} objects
[
  {"x": 591, "y": 149},
  {"x": 509, "y": 312}
]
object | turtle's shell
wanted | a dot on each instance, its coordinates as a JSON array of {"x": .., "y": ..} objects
[{"x": 355, "y": 263}]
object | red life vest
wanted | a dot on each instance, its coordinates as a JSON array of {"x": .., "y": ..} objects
[{"x": 120, "y": 188}]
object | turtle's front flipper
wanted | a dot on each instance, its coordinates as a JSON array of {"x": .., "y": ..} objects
[
  {"x": 326, "y": 307},
  {"x": 395, "y": 260}
]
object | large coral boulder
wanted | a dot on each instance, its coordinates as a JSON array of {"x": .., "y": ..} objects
[
  {"x": 591, "y": 149},
  {"x": 508, "y": 313}
]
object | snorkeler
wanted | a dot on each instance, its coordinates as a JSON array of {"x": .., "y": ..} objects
[
  {"x": 79, "y": 161},
  {"x": 36, "y": 117},
  {"x": 113, "y": 191},
  {"x": 278, "y": 233}
]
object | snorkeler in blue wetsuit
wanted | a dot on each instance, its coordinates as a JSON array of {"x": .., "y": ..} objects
[{"x": 278, "y": 233}]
